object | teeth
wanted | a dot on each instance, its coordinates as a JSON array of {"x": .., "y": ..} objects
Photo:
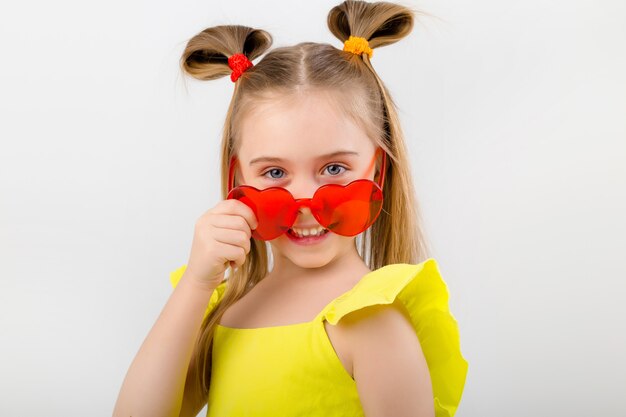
[{"x": 308, "y": 232}]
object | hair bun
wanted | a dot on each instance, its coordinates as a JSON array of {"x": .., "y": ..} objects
[
  {"x": 206, "y": 56},
  {"x": 380, "y": 23}
]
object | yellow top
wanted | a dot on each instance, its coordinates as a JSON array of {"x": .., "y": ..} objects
[{"x": 293, "y": 370}]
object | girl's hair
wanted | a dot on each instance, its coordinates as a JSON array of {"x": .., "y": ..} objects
[{"x": 355, "y": 89}]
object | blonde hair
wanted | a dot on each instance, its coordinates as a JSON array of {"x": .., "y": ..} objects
[{"x": 358, "y": 92}]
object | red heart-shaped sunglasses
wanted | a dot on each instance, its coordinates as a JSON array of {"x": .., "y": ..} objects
[{"x": 343, "y": 209}]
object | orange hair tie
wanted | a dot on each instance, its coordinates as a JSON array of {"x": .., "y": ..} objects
[{"x": 358, "y": 45}]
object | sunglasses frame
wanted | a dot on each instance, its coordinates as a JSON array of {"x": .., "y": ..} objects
[{"x": 307, "y": 201}]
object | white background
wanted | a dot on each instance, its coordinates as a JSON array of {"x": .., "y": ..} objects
[{"x": 515, "y": 114}]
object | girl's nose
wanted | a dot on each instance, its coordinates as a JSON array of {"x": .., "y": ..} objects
[
  {"x": 304, "y": 213},
  {"x": 305, "y": 217},
  {"x": 304, "y": 189}
]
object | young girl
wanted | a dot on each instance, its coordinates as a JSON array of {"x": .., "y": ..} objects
[{"x": 352, "y": 318}]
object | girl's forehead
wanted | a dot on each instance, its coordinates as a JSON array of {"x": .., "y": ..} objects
[
  {"x": 300, "y": 129},
  {"x": 299, "y": 151}
]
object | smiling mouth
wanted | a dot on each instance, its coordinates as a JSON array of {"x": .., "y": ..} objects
[{"x": 293, "y": 234}]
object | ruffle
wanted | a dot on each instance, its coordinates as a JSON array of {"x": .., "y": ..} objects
[
  {"x": 421, "y": 289},
  {"x": 217, "y": 295}
]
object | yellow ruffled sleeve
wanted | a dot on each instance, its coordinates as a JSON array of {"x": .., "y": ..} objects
[
  {"x": 421, "y": 289},
  {"x": 217, "y": 295}
]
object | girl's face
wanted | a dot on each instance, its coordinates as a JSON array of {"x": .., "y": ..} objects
[{"x": 301, "y": 144}]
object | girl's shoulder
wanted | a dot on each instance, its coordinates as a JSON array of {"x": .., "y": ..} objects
[{"x": 422, "y": 292}]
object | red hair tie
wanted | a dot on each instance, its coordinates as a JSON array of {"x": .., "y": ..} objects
[{"x": 238, "y": 63}]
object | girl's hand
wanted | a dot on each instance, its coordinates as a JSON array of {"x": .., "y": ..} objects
[{"x": 221, "y": 238}]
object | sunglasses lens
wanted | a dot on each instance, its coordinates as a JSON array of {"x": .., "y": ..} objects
[
  {"x": 274, "y": 209},
  {"x": 345, "y": 210},
  {"x": 348, "y": 210}
]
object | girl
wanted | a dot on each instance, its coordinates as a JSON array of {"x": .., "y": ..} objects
[{"x": 352, "y": 318}]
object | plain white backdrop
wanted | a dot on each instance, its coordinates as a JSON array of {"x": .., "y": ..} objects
[{"x": 515, "y": 114}]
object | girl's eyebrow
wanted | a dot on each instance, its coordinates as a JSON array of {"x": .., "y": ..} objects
[{"x": 276, "y": 159}]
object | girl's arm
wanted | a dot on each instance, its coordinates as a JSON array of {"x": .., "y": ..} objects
[
  {"x": 389, "y": 367},
  {"x": 154, "y": 385}
]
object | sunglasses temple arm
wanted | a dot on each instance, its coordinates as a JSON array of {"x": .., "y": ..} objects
[
  {"x": 231, "y": 172},
  {"x": 381, "y": 177}
]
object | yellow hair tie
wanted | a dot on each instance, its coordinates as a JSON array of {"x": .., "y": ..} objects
[{"x": 358, "y": 45}]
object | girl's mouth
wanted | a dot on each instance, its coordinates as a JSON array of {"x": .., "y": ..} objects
[{"x": 306, "y": 240}]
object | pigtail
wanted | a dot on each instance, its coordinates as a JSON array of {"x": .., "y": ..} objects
[
  {"x": 380, "y": 23},
  {"x": 206, "y": 54}
]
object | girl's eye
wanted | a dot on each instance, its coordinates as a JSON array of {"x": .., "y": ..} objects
[
  {"x": 336, "y": 165},
  {"x": 277, "y": 173},
  {"x": 273, "y": 170}
]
